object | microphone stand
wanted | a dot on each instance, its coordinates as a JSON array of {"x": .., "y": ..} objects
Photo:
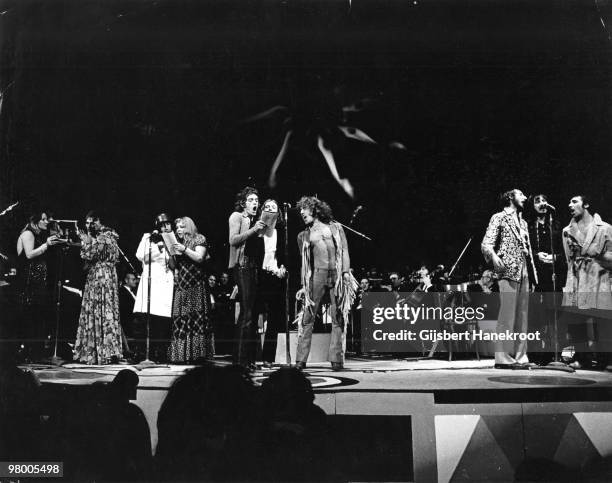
[
  {"x": 126, "y": 260},
  {"x": 147, "y": 361},
  {"x": 365, "y": 237},
  {"x": 556, "y": 364},
  {"x": 123, "y": 336},
  {"x": 6, "y": 210},
  {"x": 434, "y": 347},
  {"x": 354, "y": 231},
  {"x": 55, "y": 360},
  {"x": 286, "y": 248},
  {"x": 460, "y": 256}
]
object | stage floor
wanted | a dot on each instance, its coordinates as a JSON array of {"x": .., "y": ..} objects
[
  {"x": 452, "y": 411},
  {"x": 361, "y": 374}
]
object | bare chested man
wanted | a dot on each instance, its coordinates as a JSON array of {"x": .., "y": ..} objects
[{"x": 325, "y": 269}]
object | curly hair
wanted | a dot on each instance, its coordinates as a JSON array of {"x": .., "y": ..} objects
[
  {"x": 320, "y": 209},
  {"x": 242, "y": 196}
]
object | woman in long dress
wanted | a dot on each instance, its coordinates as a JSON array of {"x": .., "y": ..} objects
[
  {"x": 160, "y": 268},
  {"x": 98, "y": 339},
  {"x": 192, "y": 336}
]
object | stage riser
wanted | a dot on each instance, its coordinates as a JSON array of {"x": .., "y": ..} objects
[
  {"x": 319, "y": 348},
  {"x": 449, "y": 440},
  {"x": 445, "y": 442},
  {"x": 416, "y": 423}
]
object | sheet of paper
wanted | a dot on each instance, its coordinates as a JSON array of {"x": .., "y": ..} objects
[
  {"x": 269, "y": 219},
  {"x": 170, "y": 240}
]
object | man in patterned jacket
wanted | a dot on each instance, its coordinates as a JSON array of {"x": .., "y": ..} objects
[{"x": 506, "y": 244}]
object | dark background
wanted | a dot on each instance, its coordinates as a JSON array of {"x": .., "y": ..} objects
[{"x": 132, "y": 107}]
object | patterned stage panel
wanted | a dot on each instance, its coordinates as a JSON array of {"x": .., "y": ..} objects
[
  {"x": 425, "y": 420},
  {"x": 499, "y": 447}
]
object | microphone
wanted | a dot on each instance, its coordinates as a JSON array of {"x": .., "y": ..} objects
[
  {"x": 287, "y": 205},
  {"x": 155, "y": 237},
  {"x": 549, "y": 206},
  {"x": 357, "y": 210}
]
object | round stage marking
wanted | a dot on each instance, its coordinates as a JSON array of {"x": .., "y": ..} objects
[{"x": 318, "y": 382}]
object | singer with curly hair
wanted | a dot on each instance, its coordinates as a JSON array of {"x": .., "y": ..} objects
[
  {"x": 245, "y": 259},
  {"x": 325, "y": 269}
]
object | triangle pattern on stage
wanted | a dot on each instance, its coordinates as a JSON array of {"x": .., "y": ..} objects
[
  {"x": 453, "y": 433},
  {"x": 508, "y": 433},
  {"x": 483, "y": 459},
  {"x": 543, "y": 433},
  {"x": 598, "y": 428},
  {"x": 575, "y": 448}
]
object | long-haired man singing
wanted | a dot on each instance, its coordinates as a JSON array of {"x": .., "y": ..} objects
[{"x": 325, "y": 269}]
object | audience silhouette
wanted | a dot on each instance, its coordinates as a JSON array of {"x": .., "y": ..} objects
[
  {"x": 208, "y": 426},
  {"x": 214, "y": 425},
  {"x": 294, "y": 441}
]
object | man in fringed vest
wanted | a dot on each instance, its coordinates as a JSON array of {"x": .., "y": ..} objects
[{"x": 325, "y": 270}]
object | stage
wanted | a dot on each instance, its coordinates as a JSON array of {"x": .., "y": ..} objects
[{"x": 424, "y": 420}]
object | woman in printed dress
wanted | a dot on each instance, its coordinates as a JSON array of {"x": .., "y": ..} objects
[
  {"x": 98, "y": 338},
  {"x": 192, "y": 336}
]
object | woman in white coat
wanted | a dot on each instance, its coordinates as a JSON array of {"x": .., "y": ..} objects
[{"x": 161, "y": 267}]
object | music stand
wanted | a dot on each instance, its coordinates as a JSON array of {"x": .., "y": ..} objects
[
  {"x": 451, "y": 289},
  {"x": 68, "y": 231}
]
